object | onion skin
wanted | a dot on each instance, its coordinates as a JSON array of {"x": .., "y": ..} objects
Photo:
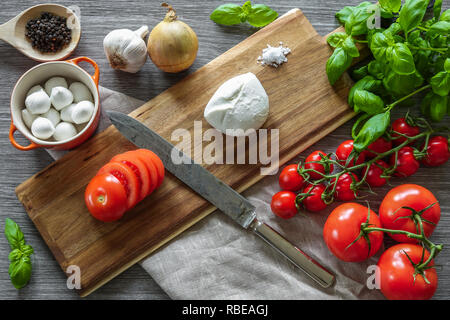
[{"x": 172, "y": 44}]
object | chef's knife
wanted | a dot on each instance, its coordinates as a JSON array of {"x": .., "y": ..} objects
[{"x": 217, "y": 193}]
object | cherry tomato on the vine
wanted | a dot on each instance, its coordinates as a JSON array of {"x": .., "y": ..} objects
[
  {"x": 314, "y": 201},
  {"x": 106, "y": 198},
  {"x": 407, "y": 163},
  {"x": 437, "y": 152},
  {"x": 317, "y": 156},
  {"x": 398, "y": 278},
  {"x": 344, "y": 191},
  {"x": 343, "y": 152},
  {"x": 373, "y": 177},
  {"x": 381, "y": 145},
  {"x": 401, "y": 126},
  {"x": 290, "y": 179},
  {"x": 394, "y": 216},
  {"x": 343, "y": 226},
  {"x": 283, "y": 204}
]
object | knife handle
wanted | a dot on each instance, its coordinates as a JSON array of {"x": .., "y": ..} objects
[{"x": 300, "y": 259}]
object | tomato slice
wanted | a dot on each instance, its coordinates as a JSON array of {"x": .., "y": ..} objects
[
  {"x": 151, "y": 168},
  {"x": 139, "y": 168},
  {"x": 127, "y": 178},
  {"x": 150, "y": 156}
]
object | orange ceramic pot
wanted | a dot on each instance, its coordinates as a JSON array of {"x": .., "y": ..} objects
[{"x": 70, "y": 70}]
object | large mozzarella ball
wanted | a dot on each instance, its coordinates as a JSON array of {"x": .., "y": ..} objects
[
  {"x": 54, "y": 82},
  {"x": 82, "y": 112},
  {"x": 53, "y": 116},
  {"x": 64, "y": 131},
  {"x": 80, "y": 92},
  {"x": 38, "y": 102},
  {"x": 42, "y": 128},
  {"x": 28, "y": 118},
  {"x": 61, "y": 97},
  {"x": 66, "y": 113}
]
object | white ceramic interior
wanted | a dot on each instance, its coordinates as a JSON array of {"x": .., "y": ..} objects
[{"x": 38, "y": 75}]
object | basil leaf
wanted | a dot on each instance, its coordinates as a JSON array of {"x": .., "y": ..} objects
[
  {"x": 359, "y": 73},
  {"x": 349, "y": 46},
  {"x": 14, "y": 255},
  {"x": 426, "y": 103},
  {"x": 357, "y": 21},
  {"x": 391, "y": 5},
  {"x": 27, "y": 250},
  {"x": 412, "y": 13},
  {"x": 401, "y": 85},
  {"x": 377, "y": 69},
  {"x": 337, "y": 64},
  {"x": 379, "y": 43},
  {"x": 343, "y": 14},
  {"x": 371, "y": 130},
  {"x": 356, "y": 128},
  {"x": 368, "y": 102},
  {"x": 447, "y": 65},
  {"x": 445, "y": 16},
  {"x": 438, "y": 107},
  {"x": 437, "y": 7},
  {"x": 440, "y": 83},
  {"x": 393, "y": 29},
  {"x": 336, "y": 39},
  {"x": 20, "y": 271},
  {"x": 368, "y": 83},
  {"x": 440, "y": 27},
  {"x": 261, "y": 15},
  {"x": 401, "y": 59},
  {"x": 13, "y": 234},
  {"x": 227, "y": 14}
]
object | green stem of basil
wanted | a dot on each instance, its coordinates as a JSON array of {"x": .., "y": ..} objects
[
  {"x": 440, "y": 50},
  {"x": 392, "y": 105}
]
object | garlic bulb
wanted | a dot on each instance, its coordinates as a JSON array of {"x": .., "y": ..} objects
[
  {"x": 64, "y": 131},
  {"x": 80, "y": 92},
  {"x": 82, "y": 112},
  {"x": 54, "y": 82},
  {"x": 42, "y": 128},
  {"x": 28, "y": 118},
  {"x": 61, "y": 97},
  {"x": 38, "y": 102},
  {"x": 126, "y": 49}
]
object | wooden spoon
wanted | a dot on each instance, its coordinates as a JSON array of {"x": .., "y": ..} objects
[{"x": 13, "y": 32}]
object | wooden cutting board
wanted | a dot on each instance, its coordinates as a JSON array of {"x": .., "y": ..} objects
[{"x": 303, "y": 106}]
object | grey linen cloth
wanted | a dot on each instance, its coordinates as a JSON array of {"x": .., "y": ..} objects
[{"x": 216, "y": 259}]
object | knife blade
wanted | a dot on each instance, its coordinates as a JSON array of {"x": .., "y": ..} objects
[{"x": 209, "y": 186}]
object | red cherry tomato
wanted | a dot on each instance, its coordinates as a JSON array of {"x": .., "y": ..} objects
[
  {"x": 343, "y": 152},
  {"x": 344, "y": 190},
  {"x": 128, "y": 179},
  {"x": 314, "y": 202},
  {"x": 437, "y": 152},
  {"x": 106, "y": 198},
  {"x": 373, "y": 177},
  {"x": 381, "y": 145},
  {"x": 392, "y": 215},
  {"x": 401, "y": 126},
  {"x": 397, "y": 277},
  {"x": 283, "y": 204},
  {"x": 317, "y": 156},
  {"x": 343, "y": 226},
  {"x": 407, "y": 163},
  {"x": 290, "y": 179},
  {"x": 150, "y": 156},
  {"x": 140, "y": 169}
]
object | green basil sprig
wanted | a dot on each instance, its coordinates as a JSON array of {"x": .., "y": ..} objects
[
  {"x": 19, "y": 257},
  {"x": 258, "y": 15}
]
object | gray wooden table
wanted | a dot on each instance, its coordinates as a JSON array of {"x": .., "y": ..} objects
[{"x": 98, "y": 18}]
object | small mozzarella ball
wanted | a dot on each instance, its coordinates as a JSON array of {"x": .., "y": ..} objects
[
  {"x": 28, "y": 118},
  {"x": 53, "y": 116},
  {"x": 54, "y": 82},
  {"x": 38, "y": 102},
  {"x": 82, "y": 112},
  {"x": 42, "y": 128},
  {"x": 64, "y": 131},
  {"x": 61, "y": 97},
  {"x": 80, "y": 92},
  {"x": 66, "y": 113},
  {"x": 34, "y": 89}
]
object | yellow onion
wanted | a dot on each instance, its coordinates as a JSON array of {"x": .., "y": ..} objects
[{"x": 172, "y": 44}]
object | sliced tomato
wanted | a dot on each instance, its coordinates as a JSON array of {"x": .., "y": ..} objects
[
  {"x": 152, "y": 171},
  {"x": 151, "y": 156},
  {"x": 140, "y": 169},
  {"x": 127, "y": 178}
]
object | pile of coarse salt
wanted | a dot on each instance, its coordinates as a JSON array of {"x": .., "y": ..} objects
[{"x": 274, "y": 56}]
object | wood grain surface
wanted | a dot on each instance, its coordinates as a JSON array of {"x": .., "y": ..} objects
[{"x": 97, "y": 19}]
